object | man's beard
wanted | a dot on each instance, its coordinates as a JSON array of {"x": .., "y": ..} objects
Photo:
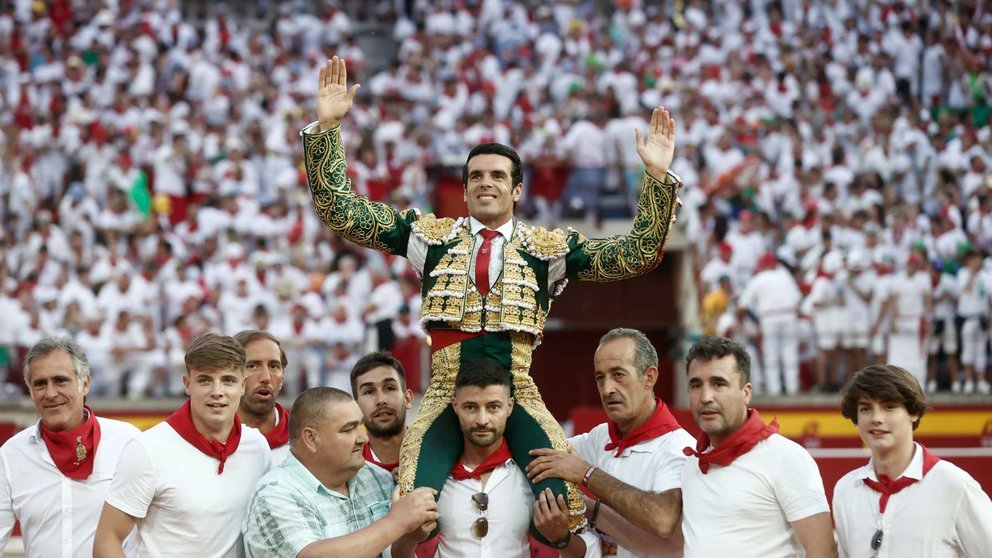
[
  {"x": 259, "y": 409},
  {"x": 386, "y": 430}
]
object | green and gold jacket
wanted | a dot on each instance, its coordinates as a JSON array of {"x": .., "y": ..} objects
[{"x": 537, "y": 262}]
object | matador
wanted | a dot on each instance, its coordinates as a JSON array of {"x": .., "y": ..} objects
[{"x": 489, "y": 279}]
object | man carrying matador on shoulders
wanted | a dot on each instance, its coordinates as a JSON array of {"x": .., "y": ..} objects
[{"x": 489, "y": 280}]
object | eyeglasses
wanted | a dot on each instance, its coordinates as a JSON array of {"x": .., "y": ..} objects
[
  {"x": 876, "y": 540},
  {"x": 480, "y": 528}
]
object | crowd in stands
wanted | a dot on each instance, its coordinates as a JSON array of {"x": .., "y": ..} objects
[{"x": 152, "y": 188}]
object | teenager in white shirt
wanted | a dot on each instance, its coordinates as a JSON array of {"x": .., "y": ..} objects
[
  {"x": 905, "y": 501},
  {"x": 746, "y": 490},
  {"x": 633, "y": 463},
  {"x": 54, "y": 476},
  {"x": 186, "y": 482}
]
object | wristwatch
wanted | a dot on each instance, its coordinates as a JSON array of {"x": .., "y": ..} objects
[{"x": 562, "y": 542}]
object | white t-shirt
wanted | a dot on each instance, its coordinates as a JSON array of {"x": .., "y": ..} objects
[
  {"x": 946, "y": 514},
  {"x": 655, "y": 465},
  {"x": 746, "y": 509},
  {"x": 58, "y": 515},
  {"x": 511, "y": 504},
  {"x": 182, "y": 505}
]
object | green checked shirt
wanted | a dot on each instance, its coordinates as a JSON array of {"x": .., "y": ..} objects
[{"x": 291, "y": 509}]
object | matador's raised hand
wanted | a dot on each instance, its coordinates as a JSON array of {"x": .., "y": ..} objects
[
  {"x": 334, "y": 98},
  {"x": 658, "y": 148}
]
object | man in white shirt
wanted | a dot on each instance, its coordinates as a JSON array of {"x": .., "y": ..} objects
[
  {"x": 486, "y": 505},
  {"x": 746, "y": 491},
  {"x": 773, "y": 295},
  {"x": 974, "y": 301},
  {"x": 265, "y": 363},
  {"x": 905, "y": 311},
  {"x": 378, "y": 383},
  {"x": 186, "y": 482},
  {"x": 905, "y": 501},
  {"x": 633, "y": 463},
  {"x": 54, "y": 475}
]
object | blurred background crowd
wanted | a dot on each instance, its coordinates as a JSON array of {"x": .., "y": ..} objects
[{"x": 835, "y": 155}]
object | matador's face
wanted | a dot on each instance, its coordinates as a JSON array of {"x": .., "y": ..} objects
[{"x": 489, "y": 189}]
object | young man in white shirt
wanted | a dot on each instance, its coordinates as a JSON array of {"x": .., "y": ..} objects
[
  {"x": 633, "y": 463},
  {"x": 905, "y": 501},
  {"x": 54, "y": 476},
  {"x": 378, "y": 383},
  {"x": 265, "y": 366},
  {"x": 486, "y": 504},
  {"x": 746, "y": 491},
  {"x": 186, "y": 482}
]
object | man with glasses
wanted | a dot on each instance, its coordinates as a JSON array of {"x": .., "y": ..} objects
[
  {"x": 323, "y": 500},
  {"x": 906, "y": 501},
  {"x": 486, "y": 505}
]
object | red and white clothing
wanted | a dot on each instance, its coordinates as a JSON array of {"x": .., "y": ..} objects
[
  {"x": 278, "y": 437},
  {"x": 907, "y": 346},
  {"x": 58, "y": 515},
  {"x": 182, "y": 505},
  {"x": 973, "y": 306},
  {"x": 654, "y": 465},
  {"x": 774, "y": 296},
  {"x": 944, "y": 514},
  {"x": 511, "y": 503},
  {"x": 745, "y": 509}
]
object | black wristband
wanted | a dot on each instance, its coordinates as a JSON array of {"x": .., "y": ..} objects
[
  {"x": 563, "y": 542},
  {"x": 595, "y": 514}
]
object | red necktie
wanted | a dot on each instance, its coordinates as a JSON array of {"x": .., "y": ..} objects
[
  {"x": 482, "y": 261},
  {"x": 888, "y": 487}
]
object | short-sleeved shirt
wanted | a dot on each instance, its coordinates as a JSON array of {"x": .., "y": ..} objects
[
  {"x": 292, "y": 509},
  {"x": 746, "y": 508},
  {"x": 654, "y": 465}
]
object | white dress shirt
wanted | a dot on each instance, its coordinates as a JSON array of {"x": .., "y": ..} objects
[
  {"x": 944, "y": 514},
  {"x": 58, "y": 515},
  {"x": 511, "y": 504}
]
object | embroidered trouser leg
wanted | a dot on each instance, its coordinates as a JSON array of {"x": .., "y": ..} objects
[{"x": 433, "y": 442}]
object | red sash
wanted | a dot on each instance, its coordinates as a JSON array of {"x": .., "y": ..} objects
[
  {"x": 747, "y": 436},
  {"x": 182, "y": 422},
  {"x": 661, "y": 422},
  {"x": 367, "y": 453},
  {"x": 458, "y": 472},
  {"x": 279, "y": 435},
  {"x": 888, "y": 487},
  {"x": 74, "y": 451}
]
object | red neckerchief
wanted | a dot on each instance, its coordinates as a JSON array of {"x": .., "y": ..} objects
[
  {"x": 747, "y": 436},
  {"x": 370, "y": 457},
  {"x": 458, "y": 472},
  {"x": 888, "y": 487},
  {"x": 74, "y": 451},
  {"x": 279, "y": 435},
  {"x": 182, "y": 422},
  {"x": 660, "y": 423}
]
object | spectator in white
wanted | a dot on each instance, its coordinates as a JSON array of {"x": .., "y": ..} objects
[
  {"x": 974, "y": 300},
  {"x": 621, "y": 157},
  {"x": 381, "y": 308},
  {"x": 195, "y": 509},
  {"x": 718, "y": 267},
  {"x": 487, "y": 503},
  {"x": 301, "y": 334},
  {"x": 54, "y": 475},
  {"x": 827, "y": 306},
  {"x": 856, "y": 287},
  {"x": 637, "y": 514},
  {"x": 759, "y": 490},
  {"x": 747, "y": 244},
  {"x": 584, "y": 146},
  {"x": 879, "y": 336},
  {"x": 943, "y": 332},
  {"x": 906, "y": 501},
  {"x": 235, "y": 306},
  {"x": 907, "y": 305},
  {"x": 265, "y": 364},
  {"x": 378, "y": 383},
  {"x": 773, "y": 295}
]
